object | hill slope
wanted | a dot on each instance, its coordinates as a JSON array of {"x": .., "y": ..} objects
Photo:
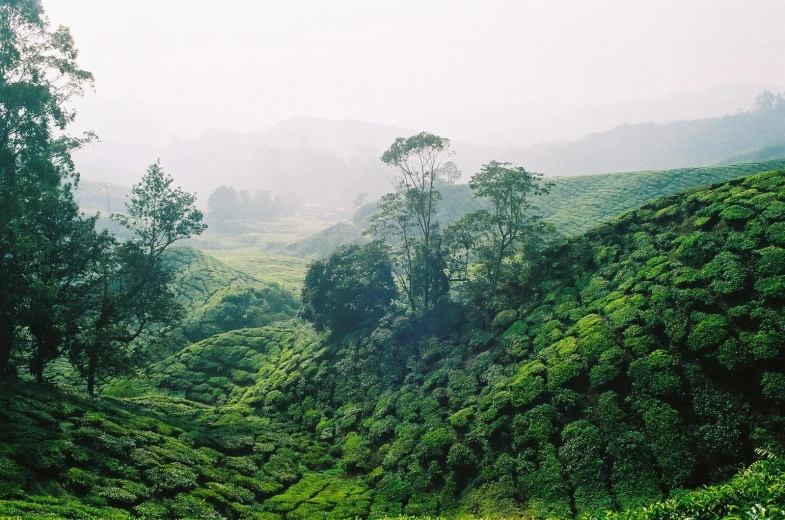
[
  {"x": 642, "y": 357},
  {"x": 218, "y": 298},
  {"x": 639, "y": 359}
]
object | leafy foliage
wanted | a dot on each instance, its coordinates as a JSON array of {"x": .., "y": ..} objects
[{"x": 352, "y": 287}]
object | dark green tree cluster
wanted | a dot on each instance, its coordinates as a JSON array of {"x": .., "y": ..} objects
[
  {"x": 354, "y": 286},
  {"x": 66, "y": 289}
]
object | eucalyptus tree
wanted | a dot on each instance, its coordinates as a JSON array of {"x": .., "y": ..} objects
[
  {"x": 512, "y": 217},
  {"x": 409, "y": 216}
]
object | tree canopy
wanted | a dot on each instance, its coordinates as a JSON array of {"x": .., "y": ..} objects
[{"x": 352, "y": 287}]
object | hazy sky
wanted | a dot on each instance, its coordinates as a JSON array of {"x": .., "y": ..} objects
[{"x": 244, "y": 64}]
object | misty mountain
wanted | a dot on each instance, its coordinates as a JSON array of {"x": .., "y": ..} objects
[
  {"x": 651, "y": 146},
  {"x": 528, "y": 123},
  {"x": 249, "y": 162},
  {"x": 329, "y": 162}
]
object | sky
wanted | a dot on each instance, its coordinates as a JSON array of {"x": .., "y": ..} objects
[{"x": 183, "y": 66}]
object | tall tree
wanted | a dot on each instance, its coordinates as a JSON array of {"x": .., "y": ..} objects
[
  {"x": 130, "y": 291},
  {"x": 410, "y": 214},
  {"x": 57, "y": 289},
  {"x": 224, "y": 204},
  {"x": 512, "y": 216},
  {"x": 450, "y": 173},
  {"x": 39, "y": 76}
]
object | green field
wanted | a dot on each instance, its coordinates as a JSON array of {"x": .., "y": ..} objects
[
  {"x": 286, "y": 270},
  {"x": 267, "y": 236}
]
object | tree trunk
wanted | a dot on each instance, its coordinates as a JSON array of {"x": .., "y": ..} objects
[
  {"x": 6, "y": 345},
  {"x": 37, "y": 366},
  {"x": 91, "y": 375}
]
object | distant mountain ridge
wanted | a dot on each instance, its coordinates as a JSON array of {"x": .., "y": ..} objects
[
  {"x": 330, "y": 161},
  {"x": 527, "y": 123}
]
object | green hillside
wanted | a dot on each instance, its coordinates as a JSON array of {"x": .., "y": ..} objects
[
  {"x": 575, "y": 204},
  {"x": 642, "y": 358},
  {"x": 218, "y": 298},
  {"x": 609, "y": 346}
]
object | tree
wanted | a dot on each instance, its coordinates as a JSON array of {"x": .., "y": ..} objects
[
  {"x": 461, "y": 240},
  {"x": 288, "y": 203},
  {"x": 130, "y": 290},
  {"x": 352, "y": 287},
  {"x": 58, "y": 285},
  {"x": 511, "y": 218},
  {"x": 409, "y": 214},
  {"x": 450, "y": 173},
  {"x": 768, "y": 102},
  {"x": 39, "y": 76},
  {"x": 360, "y": 201},
  {"x": 224, "y": 204},
  {"x": 262, "y": 205}
]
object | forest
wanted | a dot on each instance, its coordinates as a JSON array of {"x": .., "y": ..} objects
[{"x": 518, "y": 346}]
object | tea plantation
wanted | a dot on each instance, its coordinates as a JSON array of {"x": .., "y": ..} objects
[{"x": 633, "y": 363}]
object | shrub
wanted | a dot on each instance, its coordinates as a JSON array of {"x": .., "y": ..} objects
[
  {"x": 771, "y": 262},
  {"x": 772, "y": 287},
  {"x": 773, "y": 386},
  {"x": 737, "y": 213},
  {"x": 172, "y": 477},
  {"x": 707, "y": 333},
  {"x": 504, "y": 319}
]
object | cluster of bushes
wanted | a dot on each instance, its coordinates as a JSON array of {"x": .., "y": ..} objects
[
  {"x": 756, "y": 492},
  {"x": 154, "y": 457}
]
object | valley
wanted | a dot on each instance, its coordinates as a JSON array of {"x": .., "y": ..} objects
[{"x": 268, "y": 291}]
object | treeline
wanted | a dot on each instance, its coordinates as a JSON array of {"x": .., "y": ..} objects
[
  {"x": 66, "y": 288},
  {"x": 226, "y": 204}
]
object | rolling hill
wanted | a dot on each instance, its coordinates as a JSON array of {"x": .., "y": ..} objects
[
  {"x": 218, "y": 298},
  {"x": 636, "y": 360}
]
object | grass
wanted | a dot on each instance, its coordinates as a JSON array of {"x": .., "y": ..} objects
[
  {"x": 268, "y": 236},
  {"x": 285, "y": 270}
]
